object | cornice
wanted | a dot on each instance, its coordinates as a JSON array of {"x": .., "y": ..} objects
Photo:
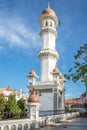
[
  {"x": 48, "y": 30},
  {"x": 48, "y": 52}
]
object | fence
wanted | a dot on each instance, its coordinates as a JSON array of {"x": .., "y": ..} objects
[
  {"x": 22, "y": 115},
  {"x": 12, "y": 115},
  {"x": 55, "y": 112}
]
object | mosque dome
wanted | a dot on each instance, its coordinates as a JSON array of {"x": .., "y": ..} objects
[
  {"x": 48, "y": 11},
  {"x": 33, "y": 98}
]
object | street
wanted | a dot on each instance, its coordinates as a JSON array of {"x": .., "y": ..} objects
[{"x": 76, "y": 124}]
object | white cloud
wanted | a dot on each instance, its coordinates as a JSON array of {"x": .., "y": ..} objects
[
  {"x": 16, "y": 34},
  {"x": 1, "y": 48},
  {"x": 63, "y": 67},
  {"x": 68, "y": 95}
]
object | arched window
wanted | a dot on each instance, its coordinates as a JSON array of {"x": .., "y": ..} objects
[
  {"x": 50, "y": 24},
  {"x": 20, "y": 127},
  {"x": 46, "y": 23},
  {"x": 6, "y": 127},
  {"x": 25, "y": 126},
  {"x": 13, "y": 127}
]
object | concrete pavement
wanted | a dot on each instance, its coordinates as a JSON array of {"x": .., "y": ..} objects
[{"x": 76, "y": 124}]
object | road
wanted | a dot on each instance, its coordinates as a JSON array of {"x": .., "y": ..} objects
[{"x": 76, "y": 124}]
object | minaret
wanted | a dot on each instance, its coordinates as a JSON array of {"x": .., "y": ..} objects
[
  {"x": 48, "y": 54},
  {"x": 51, "y": 84},
  {"x": 32, "y": 77}
]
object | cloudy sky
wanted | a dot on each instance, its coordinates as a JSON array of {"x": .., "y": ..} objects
[{"x": 20, "y": 40}]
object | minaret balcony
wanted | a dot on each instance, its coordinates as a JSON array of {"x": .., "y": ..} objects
[
  {"x": 48, "y": 52},
  {"x": 48, "y": 29}
]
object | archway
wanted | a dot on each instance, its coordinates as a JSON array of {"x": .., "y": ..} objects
[
  {"x": 20, "y": 127},
  {"x": 6, "y": 127},
  {"x": 13, "y": 127},
  {"x": 25, "y": 126}
]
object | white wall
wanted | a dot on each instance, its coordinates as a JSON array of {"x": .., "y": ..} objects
[{"x": 46, "y": 101}]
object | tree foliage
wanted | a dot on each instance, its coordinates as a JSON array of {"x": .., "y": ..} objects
[
  {"x": 85, "y": 105},
  {"x": 79, "y": 71},
  {"x": 12, "y": 105},
  {"x": 11, "y": 108},
  {"x": 21, "y": 103},
  {"x": 2, "y": 103}
]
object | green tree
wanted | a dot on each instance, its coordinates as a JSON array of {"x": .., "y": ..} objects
[
  {"x": 2, "y": 103},
  {"x": 85, "y": 105},
  {"x": 22, "y": 104},
  {"x": 12, "y": 105},
  {"x": 79, "y": 71}
]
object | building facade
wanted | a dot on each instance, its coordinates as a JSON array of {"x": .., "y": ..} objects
[
  {"x": 71, "y": 102},
  {"x": 6, "y": 92},
  {"x": 51, "y": 87}
]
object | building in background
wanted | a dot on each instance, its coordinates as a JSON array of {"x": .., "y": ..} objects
[
  {"x": 6, "y": 92},
  {"x": 77, "y": 102},
  {"x": 71, "y": 102},
  {"x": 18, "y": 94}
]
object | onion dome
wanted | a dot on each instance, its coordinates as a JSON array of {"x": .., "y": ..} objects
[
  {"x": 32, "y": 72},
  {"x": 55, "y": 70},
  {"x": 62, "y": 77},
  {"x": 33, "y": 98},
  {"x": 8, "y": 88},
  {"x": 48, "y": 11}
]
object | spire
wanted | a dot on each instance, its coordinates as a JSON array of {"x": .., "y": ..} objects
[{"x": 48, "y": 5}]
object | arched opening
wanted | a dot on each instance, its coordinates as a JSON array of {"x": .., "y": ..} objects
[
  {"x": 50, "y": 24},
  {"x": 25, "y": 126},
  {"x": 20, "y": 127},
  {"x": 46, "y": 23},
  {"x": 13, "y": 127},
  {"x": 32, "y": 125},
  {"x": 6, "y": 127}
]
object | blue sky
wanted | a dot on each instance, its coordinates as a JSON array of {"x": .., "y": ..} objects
[{"x": 20, "y": 40}]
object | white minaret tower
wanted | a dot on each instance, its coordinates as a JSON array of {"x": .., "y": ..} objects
[
  {"x": 48, "y": 54},
  {"x": 51, "y": 86}
]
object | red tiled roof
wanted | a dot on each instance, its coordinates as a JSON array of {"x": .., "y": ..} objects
[{"x": 71, "y": 101}]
